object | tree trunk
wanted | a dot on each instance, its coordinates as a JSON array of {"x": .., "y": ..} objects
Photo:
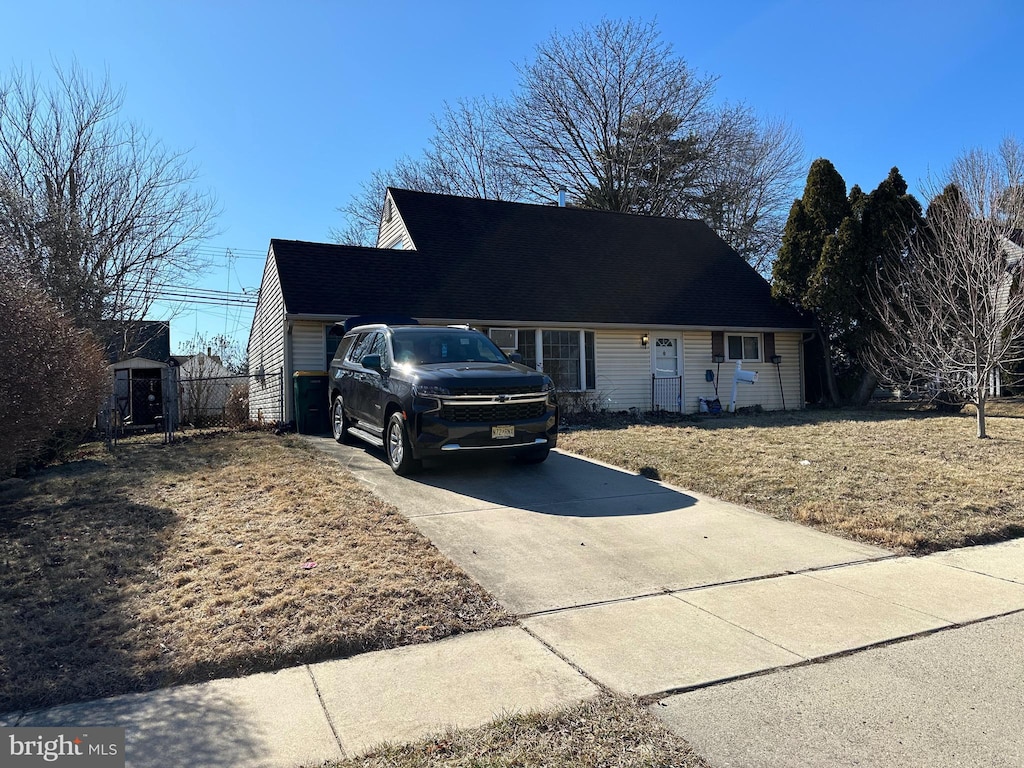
[
  {"x": 830, "y": 374},
  {"x": 868, "y": 382},
  {"x": 981, "y": 412}
]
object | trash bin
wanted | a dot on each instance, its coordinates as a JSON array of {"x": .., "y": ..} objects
[{"x": 311, "y": 406}]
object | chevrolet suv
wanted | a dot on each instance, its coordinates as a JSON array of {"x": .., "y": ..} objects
[{"x": 420, "y": 391}]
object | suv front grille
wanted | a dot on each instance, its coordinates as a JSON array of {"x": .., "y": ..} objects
[
  {"x": 501, "y": 413},
  {"x": 490, "y": 391}
]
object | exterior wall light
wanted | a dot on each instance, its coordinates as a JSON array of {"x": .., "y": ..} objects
[{"x": 645, "y": 340}]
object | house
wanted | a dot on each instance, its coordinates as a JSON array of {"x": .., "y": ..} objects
[
  {"x": 622, "y": 311},
  {"x": 206, "y": 388}
]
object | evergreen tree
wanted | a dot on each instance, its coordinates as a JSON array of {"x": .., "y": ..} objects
[
  {"x": 833, "y": 246},
  {"x": 798, "y": 275}
]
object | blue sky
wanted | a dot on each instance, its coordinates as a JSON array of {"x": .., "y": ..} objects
[{"x": 289, "y": 106}]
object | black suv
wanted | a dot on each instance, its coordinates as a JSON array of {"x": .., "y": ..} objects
[{"x": 420, "y": 391}]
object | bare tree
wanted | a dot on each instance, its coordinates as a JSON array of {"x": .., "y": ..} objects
[
  {"x": 211, "y": 380},
  {"x": 469, "y": 153},
  {"x": 626, "y": 125},
  {"x": 364, "y": 210},
  {"x": 951, "y": 314},
  {"x": 468, "y": 156},
  {"x": 610, "y": 112},
  {"x": 100, "y": 212},
  {"x": 745, "y": 195}
]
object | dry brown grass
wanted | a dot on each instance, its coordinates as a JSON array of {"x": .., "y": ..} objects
[
  {"x": 916, "y": 482},
  {"x": 166, "y": 564},
  {"x": 607, "y": 732}
]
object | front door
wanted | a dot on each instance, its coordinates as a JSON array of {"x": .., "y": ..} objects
[{"x": 667, "y": 370}]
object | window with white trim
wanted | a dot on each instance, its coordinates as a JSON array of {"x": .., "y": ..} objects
[
  {"x": 567, "y": 356},
  {"x": 747, "y": 348}
]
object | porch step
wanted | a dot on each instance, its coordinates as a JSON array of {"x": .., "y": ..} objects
[{"x": 366, "y": 436}]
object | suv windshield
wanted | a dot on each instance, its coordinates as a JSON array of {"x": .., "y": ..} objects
[{"x": 444, "y": 346}]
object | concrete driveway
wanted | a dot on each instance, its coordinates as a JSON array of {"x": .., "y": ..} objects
[
  {"x": 573, "y": 532},
  {"x": 658, "y": 592},
  {"x": 652, "y": 590}
]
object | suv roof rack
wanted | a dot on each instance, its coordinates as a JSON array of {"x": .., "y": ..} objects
[{"x": 377, "y": 319}]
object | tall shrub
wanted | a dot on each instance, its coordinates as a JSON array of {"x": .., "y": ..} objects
[{"x": 52, "y": 374}]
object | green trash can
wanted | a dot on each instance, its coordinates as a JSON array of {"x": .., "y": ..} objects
[{"x": 311, "y": 406}]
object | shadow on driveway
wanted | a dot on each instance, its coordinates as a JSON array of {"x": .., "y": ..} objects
[{"x": 564, "y": 485}]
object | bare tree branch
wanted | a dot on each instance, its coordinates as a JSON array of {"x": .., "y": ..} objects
[
  {"x": 97, "y": 209},
  {"x": 951, "y": 314}
]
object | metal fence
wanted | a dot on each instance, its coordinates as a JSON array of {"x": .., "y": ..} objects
[{"x": 161, "y": 399}]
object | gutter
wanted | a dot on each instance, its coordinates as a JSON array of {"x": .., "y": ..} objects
[{"x": 573, "y": 325}]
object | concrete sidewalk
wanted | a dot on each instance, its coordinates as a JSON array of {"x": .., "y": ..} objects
[{"x": 305, "y": 715}]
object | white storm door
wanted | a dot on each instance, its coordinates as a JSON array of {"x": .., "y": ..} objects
[{"x": 667, "y": 367}]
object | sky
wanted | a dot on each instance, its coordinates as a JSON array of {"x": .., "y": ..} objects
[{"x": 286, "y": 107}]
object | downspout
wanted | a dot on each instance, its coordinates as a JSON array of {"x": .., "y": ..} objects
[{"x": 286, "y": 374}]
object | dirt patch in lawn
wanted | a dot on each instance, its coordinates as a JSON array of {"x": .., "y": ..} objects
[
  {"x": 608, "y": 731},
  {"x": 915, "y": 482},
  {"x": 217, "y": 556}
]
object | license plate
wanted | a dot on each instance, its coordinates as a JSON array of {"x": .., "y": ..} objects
[{"x": 502, "y": 433}]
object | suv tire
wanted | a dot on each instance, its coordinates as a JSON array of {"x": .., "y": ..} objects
[
  {"x": 339, "y": 421},
  {"x": 396, "y": 446}
]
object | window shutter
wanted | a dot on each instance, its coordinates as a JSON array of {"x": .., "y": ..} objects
[
  {"x": 718, "y": 343},
  {"x": 769, "y": 347}
]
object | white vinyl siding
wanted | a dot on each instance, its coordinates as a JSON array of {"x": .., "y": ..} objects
[
  {"x": 266, "y": 348},
  {"x": 766, "y": 393},
  {"x": 309, "y": 351},
  {"x": 393, "y": 231},
  {"x": 623, "y": 370}
]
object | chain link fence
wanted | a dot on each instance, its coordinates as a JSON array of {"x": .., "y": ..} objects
[{"x": 161, "y": 399}]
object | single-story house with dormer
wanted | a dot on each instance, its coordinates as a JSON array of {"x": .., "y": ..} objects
[{"x": 623, "y": 311}]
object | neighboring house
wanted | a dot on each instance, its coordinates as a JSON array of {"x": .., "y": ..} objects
[
  {"x": 1012, "y": 247},
  {"x": 622, "y": 311},
  {"x": 138, "y": 354},
  {"x": 205, "y": 389}
]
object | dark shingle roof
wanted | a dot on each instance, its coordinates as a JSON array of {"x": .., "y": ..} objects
[
  {"x": 489, "y": 260},
  {"x": 150, "y": 339}
]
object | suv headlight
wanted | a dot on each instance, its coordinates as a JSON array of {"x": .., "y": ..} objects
[
  {"x": 549, "y": 388},
  {"x": 429, "y": 390}
]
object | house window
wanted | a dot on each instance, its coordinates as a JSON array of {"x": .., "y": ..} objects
[
  {"x": 566, "y": 356},
  {"x": 744, "y": 348}
]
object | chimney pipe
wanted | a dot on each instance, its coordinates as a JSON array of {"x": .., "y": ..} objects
[{"x": 561, "y": 195}]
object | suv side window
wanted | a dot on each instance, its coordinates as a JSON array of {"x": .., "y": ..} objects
[
  {"x": 359, "y": 347},
  {"x": 379, "y": 346},
  {"x": 343, "y": 348}
]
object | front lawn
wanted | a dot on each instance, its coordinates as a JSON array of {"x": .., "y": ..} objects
[
  {"x": 913, "y": 481},
  {"x": 217, "y": 556}
]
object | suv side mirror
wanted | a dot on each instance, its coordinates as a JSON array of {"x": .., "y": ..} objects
[
  {"x": 515, "y": 357},
  {"x": 372, "y": 362}
]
